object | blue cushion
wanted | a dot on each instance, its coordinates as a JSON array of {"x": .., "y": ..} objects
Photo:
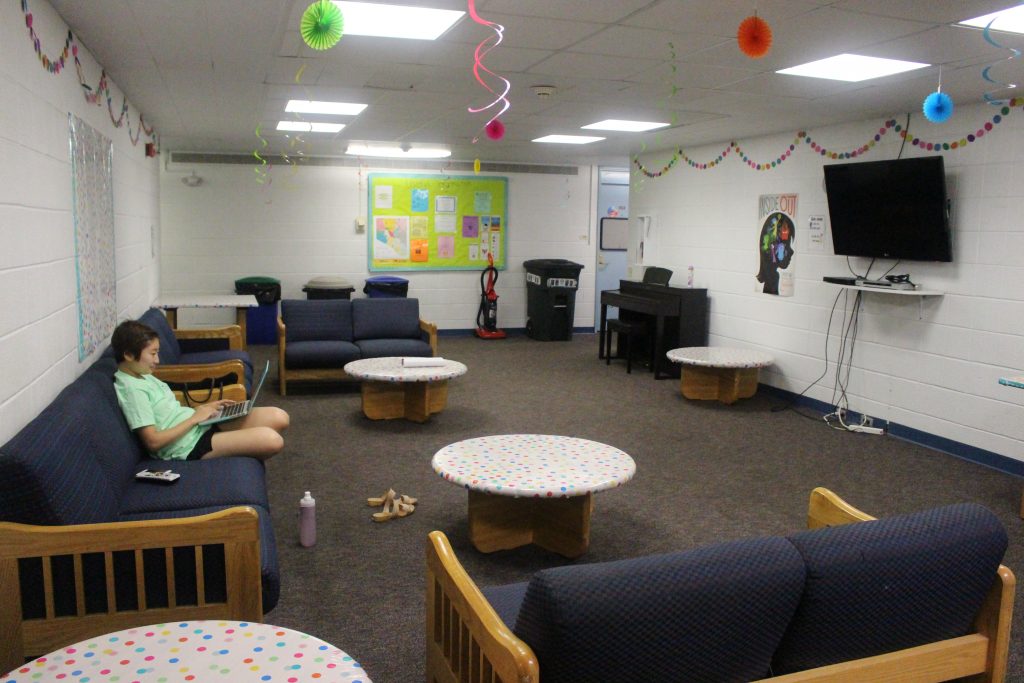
[
  {"x": 380, "y": 348},
  {"x": 923, "y": 576},
  {"x": 170, "y": 352},
  {"x": 320, "y": 354},
  {"x": 506, "y": 600},
  {"x": 218, "y": 481},
  {"x": 386, "y": 318},
  {"x": 317, "y": 320},
  {"x": 269, "y": 571},
  {"x": 710, "y": 614}
]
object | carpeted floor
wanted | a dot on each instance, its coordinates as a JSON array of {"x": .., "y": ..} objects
[{"x": 705, "y": 473}]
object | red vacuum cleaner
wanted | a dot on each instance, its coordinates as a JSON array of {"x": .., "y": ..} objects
[{"x": 487, "y": 316}]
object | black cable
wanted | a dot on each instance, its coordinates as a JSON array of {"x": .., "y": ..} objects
[
  {"x": 791, "y": 402},
  {"x": 906, "y": 134}
]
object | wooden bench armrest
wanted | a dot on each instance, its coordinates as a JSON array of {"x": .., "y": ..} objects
[
  {"x": 827, "y": 509},
  {"x": 463, "y": 630},
  {"x": 199, "y": 372},
  {"x": 232, "y": 333},
  {"x": 431, "y": 330}
]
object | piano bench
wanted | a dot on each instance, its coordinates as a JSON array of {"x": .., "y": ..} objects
[{"x": 623, "y": 329}]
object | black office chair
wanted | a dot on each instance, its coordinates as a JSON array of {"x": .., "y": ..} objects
[{"x": 634, "y": 326}]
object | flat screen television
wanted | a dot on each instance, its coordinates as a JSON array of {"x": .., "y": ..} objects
[{"x": 890, "y": 209}]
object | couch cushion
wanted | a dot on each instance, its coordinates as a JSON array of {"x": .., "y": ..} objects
[
  {"x": 170, "y": 352},
  {"x": 218, "y": 481},
  {"x": 506, "y": 600},
  {"x": 710, "y": 614},
  {"x": 317, "y": 320},
  {"x": 881, "y": 586},
  {"x": 381, "y": 348},
  {"x": 320, "y": 354},
  {"x": 386, "y": 318}
]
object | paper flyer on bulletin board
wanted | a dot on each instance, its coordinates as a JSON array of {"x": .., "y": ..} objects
[{"x": 436, "y": 222}]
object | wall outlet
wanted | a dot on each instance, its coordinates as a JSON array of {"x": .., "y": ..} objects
[
  {"x": 360, "y": 226},
  {"x": 866, "y": 421}
]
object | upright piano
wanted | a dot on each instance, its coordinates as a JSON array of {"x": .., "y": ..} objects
[{"x": 680, "y": 318}]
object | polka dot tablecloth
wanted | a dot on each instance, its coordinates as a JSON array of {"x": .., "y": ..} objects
[
  {"x": 390, "y": 369},
  {"x": 533, "y": 465},
  {"x": 720, "y": 357},
  {"x": 228, "y": 651}
]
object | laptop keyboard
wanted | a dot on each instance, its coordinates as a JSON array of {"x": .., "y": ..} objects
[{"x": 235, "y": 409}]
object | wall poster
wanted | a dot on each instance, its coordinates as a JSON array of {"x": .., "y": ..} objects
[
  {"x": 436, "y": 222},
  {"x": 776, "y": 215},
  {"x": 92, "y": 197}
]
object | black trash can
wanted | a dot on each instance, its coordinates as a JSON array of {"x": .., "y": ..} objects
[
  {"x": 551, "y": 286},
  {"x": 386, "y": 286},
  {"x": 328, "y": 287},
  {"x": 261, "y": 321}
]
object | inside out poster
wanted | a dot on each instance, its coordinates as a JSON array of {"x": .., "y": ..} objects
[{"x": 776, "y": 215}]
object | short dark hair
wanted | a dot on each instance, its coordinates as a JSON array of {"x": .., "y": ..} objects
[{"x": 131, "y": 336}]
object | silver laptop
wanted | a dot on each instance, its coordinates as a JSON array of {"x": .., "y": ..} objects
[{"x": 237, "y": 410}]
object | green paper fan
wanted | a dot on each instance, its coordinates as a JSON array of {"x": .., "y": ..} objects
[{"x": 322, "y": 25}]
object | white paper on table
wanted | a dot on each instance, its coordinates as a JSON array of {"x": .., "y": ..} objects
[{"x": 413, "y": 362}]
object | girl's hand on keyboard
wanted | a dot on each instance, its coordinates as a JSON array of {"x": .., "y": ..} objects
[
  {"x": 206, "y": 411},
  {"x": 221, "y": 403}
]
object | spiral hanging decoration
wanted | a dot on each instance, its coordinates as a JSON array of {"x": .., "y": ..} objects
[
  {"x": 321, "y": 25},
  {"x": 478, "y": 65},
  {"x": 987, "y": 34}
]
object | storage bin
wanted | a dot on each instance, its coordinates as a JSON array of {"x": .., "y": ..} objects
[
  {"x": 551, "y": 286},
  {"x": 382, "y": 286},
  {"x": 328, "y": 287}
]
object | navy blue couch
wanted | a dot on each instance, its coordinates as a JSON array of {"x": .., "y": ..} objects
[{"x": 317, "y": 337}]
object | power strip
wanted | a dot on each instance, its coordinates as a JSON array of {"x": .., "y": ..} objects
[{"x": 865, "y": 429}]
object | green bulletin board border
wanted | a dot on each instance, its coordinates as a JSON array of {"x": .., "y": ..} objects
[{"x": 462, "y": 187}]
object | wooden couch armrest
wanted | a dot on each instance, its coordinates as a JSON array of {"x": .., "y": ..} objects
[
  {"x": 232, "y": 333},
  {"x": 431, "y": 330},
  {"x": 199, "y": 372},
  {"x": 236, "y": 529},
  {"x": 456, "y": 608},
  {"x": 232, "y": 392}
]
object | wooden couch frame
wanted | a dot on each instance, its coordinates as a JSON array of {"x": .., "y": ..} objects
[
  {"x": 236, "y": 529},
  {"x": 468, "y": 642},
  {"x": 198, "y": 373}
]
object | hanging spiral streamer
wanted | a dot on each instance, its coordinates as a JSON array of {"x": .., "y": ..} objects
[
  {"x": 478, "y": 65},
  {"x": 987, "y": 34}
]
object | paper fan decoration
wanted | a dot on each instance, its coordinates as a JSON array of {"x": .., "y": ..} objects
[
  {"x": 321, "y": 25},
  {"x": 754, "y": 37},
  {"x": 495, "y": 129},
  {"x": 938, "y": 107}
]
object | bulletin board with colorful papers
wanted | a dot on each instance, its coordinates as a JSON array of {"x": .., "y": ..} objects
[{"x": 436, "y": 222}]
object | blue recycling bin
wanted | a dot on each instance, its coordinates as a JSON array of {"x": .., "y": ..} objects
[{"x": 386, "y": 286}]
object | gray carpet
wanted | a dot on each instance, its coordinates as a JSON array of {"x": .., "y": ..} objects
[{"x": 705, "y": 473}]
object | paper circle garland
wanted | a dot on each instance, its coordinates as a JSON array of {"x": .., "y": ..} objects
[
  {"x": 938, "y": 107},
  {"x": 321, "y": 25},
  {"x": 495, "y": 129},
  {"x": 754, "y": 37},
  {"x": 476, "y": 165}
]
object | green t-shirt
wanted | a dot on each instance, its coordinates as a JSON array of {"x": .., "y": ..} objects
[{"x": 147, "y": 401}]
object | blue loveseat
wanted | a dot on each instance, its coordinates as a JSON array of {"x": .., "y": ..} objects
[
  {"x": 317, "y": 337},
  {"x": 918, "y": 597},
  {"x": 70, "y": 474}
]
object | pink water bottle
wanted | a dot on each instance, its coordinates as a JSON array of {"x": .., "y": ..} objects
[{"x": 307, "y": 520}]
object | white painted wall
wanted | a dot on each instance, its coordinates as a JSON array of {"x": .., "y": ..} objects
[
  {"x": 38, "y": 306},
  {"x": 302, "y": 225},
  {"x": 930, "y": 364}
]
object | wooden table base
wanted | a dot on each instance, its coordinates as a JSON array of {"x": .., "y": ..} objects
[
  {"x": 415, "y": 401},
  {"x": 725, "y": 384},
  {"x": 561, "y": 525}
]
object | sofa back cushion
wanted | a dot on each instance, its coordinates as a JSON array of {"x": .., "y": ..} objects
[
  {"x": 170, "y": 351},
  {"x": 317, "y": 319},
  {"x": 382, "y": 318},
  {"x": 881, "y": 586},
  {"x": 710, "y": 614}
]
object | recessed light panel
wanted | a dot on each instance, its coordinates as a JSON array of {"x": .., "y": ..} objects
[
  {"x": 852, "y": 68},
  {"x": 624, "y": 125},
  {"x": 393, "y": 151},
  {"x": 306, "y": 127},
  {"x": 1010, "y": 20},
  {"x": 396, "y": 21},
  {"x": 315, "y": 107},
  {"x": 568, "y": 139}
]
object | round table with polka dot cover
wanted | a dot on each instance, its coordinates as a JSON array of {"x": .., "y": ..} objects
[
  {"x": 719, "y": 372},
  {"x": 391, "y": 389},
  {"x": 178, "y": 652},
  {"x": 532, "y": 488}
]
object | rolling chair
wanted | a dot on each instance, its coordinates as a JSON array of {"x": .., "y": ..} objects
[{"x": 637, "y": 326}]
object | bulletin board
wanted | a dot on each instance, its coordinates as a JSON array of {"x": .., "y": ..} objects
[{"x": 436, "y": 222}]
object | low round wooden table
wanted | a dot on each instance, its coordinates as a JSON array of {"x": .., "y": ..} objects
[
  {"x": 391, "y": 390},
  {"x": 184, "y": 651},
  {"x": 532, "y": 488},
  {"x": 719, "y": 372}
]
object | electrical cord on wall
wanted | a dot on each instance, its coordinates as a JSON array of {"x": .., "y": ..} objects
[{"x": 791, "y": 402}]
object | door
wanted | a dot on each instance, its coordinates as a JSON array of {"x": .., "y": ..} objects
[{"x": 613, "y": 215}]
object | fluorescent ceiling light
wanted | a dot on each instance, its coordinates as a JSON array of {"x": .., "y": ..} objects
[
  {"x": 568, "y": 139},
  {"x": 306, "y": 127},
  {"x": 314, "y": 107},
  {"x": 371, "y": 150},
  {"x": 1010, "y": 20},
  {"x": 628, "y": 126},
  {"x": 853, "y": 68},
  {"x": 396, "y": 21}
]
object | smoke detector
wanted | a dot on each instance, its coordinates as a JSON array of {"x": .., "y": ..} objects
[
  {"x": 192, "y": 180},
  {"x": 543, "y": 91}
]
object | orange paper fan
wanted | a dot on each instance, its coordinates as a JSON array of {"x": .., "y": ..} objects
[{"x": 754, "y": 37}]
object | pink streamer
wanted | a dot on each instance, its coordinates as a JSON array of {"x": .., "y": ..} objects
[{"x": 478, "y": 65}]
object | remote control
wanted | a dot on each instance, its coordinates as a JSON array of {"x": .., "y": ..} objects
[{"x": 160, "y": 476}]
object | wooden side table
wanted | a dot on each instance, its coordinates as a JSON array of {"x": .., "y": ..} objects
[
  {"x": 392, "y": 390},
  {"x": 719, "y": 372}
]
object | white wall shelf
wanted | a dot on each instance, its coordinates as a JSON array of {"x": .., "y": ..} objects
[{"x": 890, "y": 290}]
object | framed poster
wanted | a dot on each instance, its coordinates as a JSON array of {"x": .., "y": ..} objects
[
  {"x": 436, "y": 222},
  {"x": 776, "y": 217}
]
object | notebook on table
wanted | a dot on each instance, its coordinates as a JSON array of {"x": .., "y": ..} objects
[{"x": 237, "y": 410}]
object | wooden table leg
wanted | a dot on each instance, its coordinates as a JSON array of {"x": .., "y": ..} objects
[
  {"x": 561, "y": 525},
  {"x": 240, "y": 317},
  {"x": 172, "y": 317},
  {"x": 415, "y": 401}
]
